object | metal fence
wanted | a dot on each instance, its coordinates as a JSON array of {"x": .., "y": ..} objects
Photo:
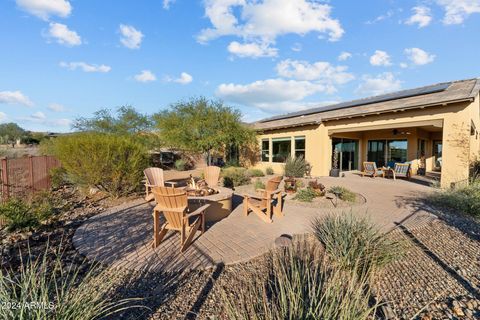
[{"x": 23, "y": 176}]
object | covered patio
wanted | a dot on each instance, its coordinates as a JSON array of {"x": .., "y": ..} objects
[{"x": 418, "y": 143}]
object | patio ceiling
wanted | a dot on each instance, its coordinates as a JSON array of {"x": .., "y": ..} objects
[{"x": 427, "y": 125}]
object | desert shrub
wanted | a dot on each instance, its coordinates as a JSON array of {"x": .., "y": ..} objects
[
  {"x": 463, "y": 199},
  {"x": 111, "y": 163},
  {"x": 269, "y": 171},
  {"x": 235, "y": 176},
  {"x": 181, "y": 165},
  {"x": 22, "y": 214},
  {"x": 255, "y": 173},
  {"x": 317, "y": 187},
  {"x": 259, "y": 184},
  {"x": 343, "y": 193},
  {"x": 475, "y": 171},
  {"x": 298, "y": 282},
  {"x": 295, "y": 167},
  {"x": 354, "y": 243},
  {"x": 58, "y": 177},
  {"x": 305, "y": 195},
  {"x": 46, "y": 289}
]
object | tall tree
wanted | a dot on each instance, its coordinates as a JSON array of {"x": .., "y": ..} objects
[
  {"x": 11, "y": 132},
  {"x": 127, "y": 120},
  {"x": 202, "y": 125}
]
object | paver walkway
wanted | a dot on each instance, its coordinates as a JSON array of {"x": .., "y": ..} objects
[{"x": 121, "y": 236}]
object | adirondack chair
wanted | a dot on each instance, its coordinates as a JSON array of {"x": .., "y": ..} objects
[
  {"x": 211, "y": 175},
  {"x": 402, "y": 170},
  {"x": 154, "y": 178},
  {"x": 370, "y": 169},
  {"x": 263, "y": 203},
  {"x": 173, "y": 203}
]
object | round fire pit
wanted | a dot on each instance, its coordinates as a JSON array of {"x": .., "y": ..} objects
[{"x": 220, "y": 203}]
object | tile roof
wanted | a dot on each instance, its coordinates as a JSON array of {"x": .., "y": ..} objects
[{"x": 441, "y": 93}]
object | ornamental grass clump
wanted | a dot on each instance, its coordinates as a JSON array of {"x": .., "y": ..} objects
[
  {"x": 46, "y": 289},
  {"x": 462, "y": 199},
  {"x": 235, "y": 176},
  {"x": 305, "y": 195},
  {"x": 256, "y": 173},
  {"x": 298, "y": 282},
  {"x": 343, "y": 193},
  {"x": 354, "y": 243}
]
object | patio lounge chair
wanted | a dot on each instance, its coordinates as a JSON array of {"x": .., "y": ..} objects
[
  {"x": 154, "y": 178},
  {"x": 370, "y": 169},
  {"x": 211, "y": 175},
  {"x": 402, "y": 170},
  {"x": 267, "y": 201},
  {"x": 173, "y": 203}
]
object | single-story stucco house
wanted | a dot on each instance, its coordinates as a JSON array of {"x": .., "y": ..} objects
[{"x": 433, "y": 127}]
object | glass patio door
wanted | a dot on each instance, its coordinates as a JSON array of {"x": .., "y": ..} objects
[
  {"x": 347, "y": 153},
  {"x": 437, "y": 155}
]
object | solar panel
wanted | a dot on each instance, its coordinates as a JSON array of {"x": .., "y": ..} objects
[{"x": 361, "y": 102}]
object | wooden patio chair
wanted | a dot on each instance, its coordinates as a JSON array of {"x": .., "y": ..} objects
[
  {"x": 211, "y": 175},
  {"x": 154, "y": 178},
  {"x": 402, "y": 170},
  {"x": 173, "y": 203},
  {"x": 370, "y": 169},
  {"x": 263, "y": 203}
]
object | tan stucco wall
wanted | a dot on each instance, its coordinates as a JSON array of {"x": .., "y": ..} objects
[{"x": 459, "y": 148}]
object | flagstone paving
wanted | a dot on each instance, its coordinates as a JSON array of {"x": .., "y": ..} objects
[{"x": 121, "y": 236}]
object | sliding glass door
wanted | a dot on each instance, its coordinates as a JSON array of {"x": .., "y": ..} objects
[
  {"x": 387, "y": 152},
  {"x": 347, "y": 153}
]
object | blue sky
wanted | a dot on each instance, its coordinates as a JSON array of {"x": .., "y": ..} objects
[{"x": 62, "y": 59}]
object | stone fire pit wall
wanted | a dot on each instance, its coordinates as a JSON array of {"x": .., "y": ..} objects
[{"x": 220, "y": 204}]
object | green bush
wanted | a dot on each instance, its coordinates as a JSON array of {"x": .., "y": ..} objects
[
  {"x": 463, "y": 199},
  {"x": 20, "y": 214},
  {"x": 46, "y": 289},
  {"x": 295, "y": 167},
  {"x": 354, "y": 243},
  {"x": 269, "y": 171},
  {"x": 343, "y": 193},
  {"x": 255, "y": 173},
  {"x": 305, "y": 195},
  {"x": 298, "y": 282},
  {"x": 181, "y": 165},
  {"x": 235, "y": 176},
  {"x": 58, "y": 177},
  {"x": 111, "y": 163},
  {"x": 259, "y": 184}
]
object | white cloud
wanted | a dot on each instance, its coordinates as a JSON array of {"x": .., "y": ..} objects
[
  {"x": 3, "y": 117},
  {"x": 184, "y": 78},
  {"x": 403, "y": 65},
  {"x": 39, "y": 115},
  {"x": 167, "y": 4},
  {"x": 456, "y": 11},
  {"x": 322, "y": 72},
  {"x": 85, "y": 67},
  {"x": 41, "y": 119},
  {"x": 419, "y": 56},
  {"x": 56, "y": 107},
  {"x": 422, "y": 16},
  {"x": 46, "y": 8},
  {"x": 380, "y": 58},
  {"x": 344, "y": 55},
  {"x": 15, "y": 97},
  {"x": 271, "y": 94},
  {"x": 63, "y": 35},
  {"x": 380, "y": 84},
  {"x": 145, "y": 76},
  {"x": 252, "y": 50},
  {"x": 263, "y": 21},
  {"x": 382, "y": 17},
  {"x": 131, "y": 37}
]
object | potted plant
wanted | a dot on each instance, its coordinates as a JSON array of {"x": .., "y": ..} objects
[
  {"x": 335, "y": 171},
  {"x": 294, "y": 168}
]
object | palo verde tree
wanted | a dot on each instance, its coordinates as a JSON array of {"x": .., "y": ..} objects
[
  {"x": 11, "y": 132},
  {"x": 202, "y": 125}
]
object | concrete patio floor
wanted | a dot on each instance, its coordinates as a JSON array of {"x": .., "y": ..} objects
[{"x": 121, "y": 236}]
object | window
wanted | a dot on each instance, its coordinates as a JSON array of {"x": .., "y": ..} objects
[
  {"x": 473, "y": 129},
  {"x": 265, "y": 150},
  {"x": 281, "y": 149},
  {"x": 300, "y": 147},
  {"x": 397, "y": 151},
  {"x": 387, "y": 152}
]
